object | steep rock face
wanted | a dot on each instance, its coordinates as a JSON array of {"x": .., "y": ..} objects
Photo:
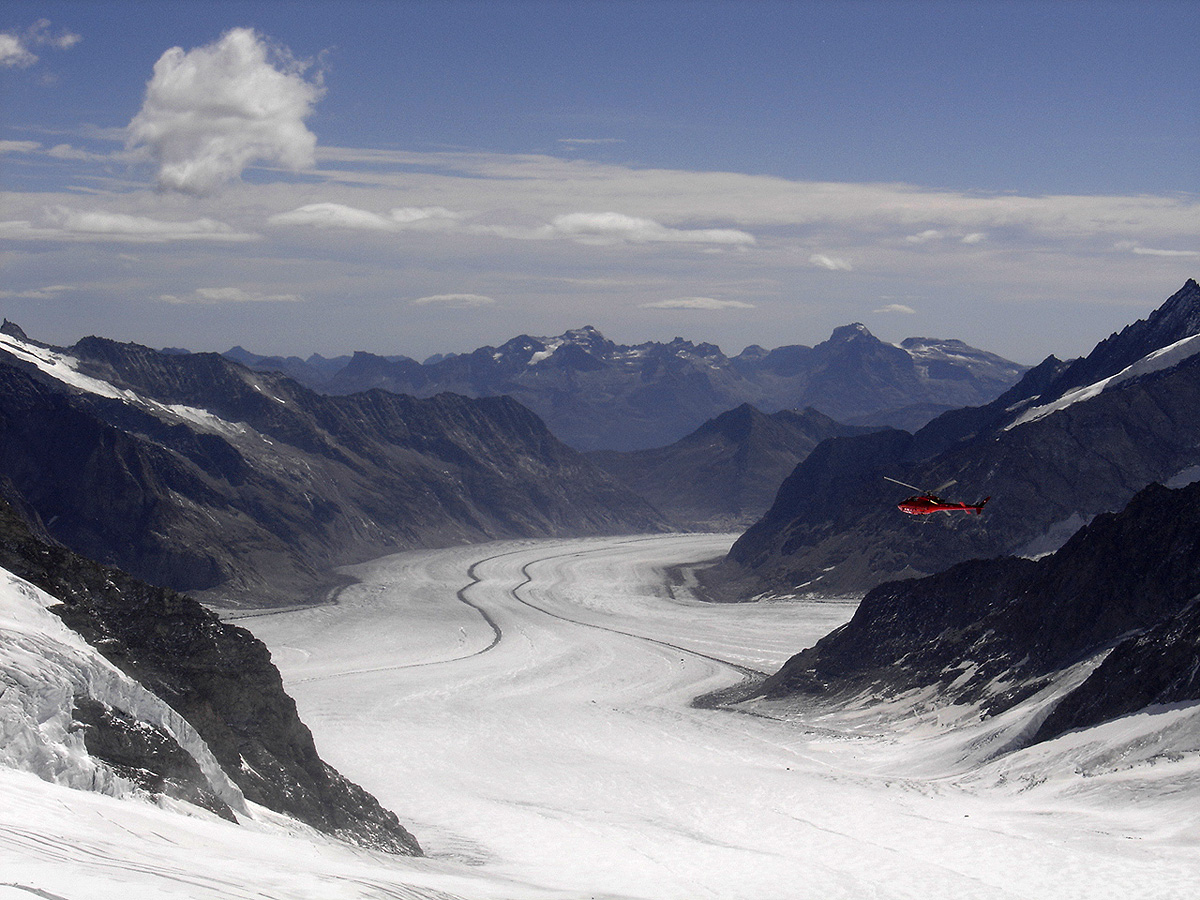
[
  {"x": 598, "y": 395},
  {"x": 217, "y": 676},
  {"x": 725, "y": 474},
  {"x": 198, "y": 474},
  {"x": 1160, "y": 666},
  {"x": 994, "y": 631},
  {"x": 144, "y": 754},
  {"x": 1051, "y": 452}
]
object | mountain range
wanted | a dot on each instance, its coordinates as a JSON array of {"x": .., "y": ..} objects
[
  {"x": 1066, "y": 443},
  {"x": 598, "y": 395},
  {"x": 129, "y": 474},
  {"x": 196, "y": 473}
]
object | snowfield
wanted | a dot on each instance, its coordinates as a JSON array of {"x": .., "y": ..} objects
[{"x": 525, "y": 708}]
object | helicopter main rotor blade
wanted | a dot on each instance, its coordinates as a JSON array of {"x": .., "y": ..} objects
[
  {"x": 903, "y": 484},
  {"x": 942, "y": 487}
]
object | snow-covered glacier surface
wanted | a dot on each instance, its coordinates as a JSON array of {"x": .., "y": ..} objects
[{"x": 525, "y": 708}]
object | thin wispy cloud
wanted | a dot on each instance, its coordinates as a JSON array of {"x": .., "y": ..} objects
[
  {"x": 65, "y": 223},
  {"x": 702, "y": 303},
  {"x": 589, "y": 142},
  {"x": 15, "y": 52},
  {"x": 896, "y": 308},
  {"x": 50, "y": 292},
  {"x": 339, "y": 215},
  {"x": 582, "y": 227},
  {"x": 224, "y": 295},
  {"x": 930, "y": 234},
  {"x": 1153, "y": 251},
  {"x": 454, "y": 301},
  {"x": 211, "y": 112},
  {"x": 614, "y": 227},
  {"x": 832, "y": 263}
]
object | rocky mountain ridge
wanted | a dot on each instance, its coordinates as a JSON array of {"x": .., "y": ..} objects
[
  {"x": 598, "y": 395},
  {"x": 1123, "y": 591},
  {"x": 196, "y": 473},
  {"x": 1066, "y": 443}
]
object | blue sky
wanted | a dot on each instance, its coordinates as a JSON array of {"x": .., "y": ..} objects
[{"x": 414, "y": 178}]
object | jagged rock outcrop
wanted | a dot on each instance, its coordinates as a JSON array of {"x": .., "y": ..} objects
[
  {"x": 724, "y": 475},
  {"x": 995, "y": 631},
  {"x": 1054, "y": 451},
  {"x": 195, "y": 473},
  {"x": 598, "y": 395},
  {"x": 218, "y": 676}
]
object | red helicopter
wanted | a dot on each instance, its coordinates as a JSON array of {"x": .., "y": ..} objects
[{"x": 926, "y": 502}]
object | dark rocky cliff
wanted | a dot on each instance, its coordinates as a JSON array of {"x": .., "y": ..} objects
[{"x": 217, "y": 676}]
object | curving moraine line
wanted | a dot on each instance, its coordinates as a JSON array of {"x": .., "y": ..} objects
[
  {"x": 498, "y": 632},
  {"x": 745, "y": 670}
]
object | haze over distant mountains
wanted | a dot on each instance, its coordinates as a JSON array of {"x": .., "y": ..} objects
[
  {"x": 724, "y": 475},
  {"x": 598, "y": 395}
]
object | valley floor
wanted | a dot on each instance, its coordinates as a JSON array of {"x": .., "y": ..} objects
[{"x": 525, "y": 708}]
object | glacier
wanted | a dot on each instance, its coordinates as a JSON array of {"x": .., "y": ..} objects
[{"x": 567, "y": 760}]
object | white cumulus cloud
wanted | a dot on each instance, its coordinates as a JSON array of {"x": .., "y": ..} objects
[
  {"x": 210, "y": 112},
  {"x": 697, "y": 303},
  {"x": 13, "y": 53}
]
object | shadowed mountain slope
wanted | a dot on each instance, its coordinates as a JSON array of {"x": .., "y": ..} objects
[
  {"x": 1066, "y": 443},
  {"x": 196, "y": 473},
  {"x": 1123, "y": 590},
  {"x": 724, "y": 475}
]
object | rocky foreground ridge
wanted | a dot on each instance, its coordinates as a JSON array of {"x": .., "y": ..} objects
[
  {"x": 219, "y": 677},
  {"x": 1124, "y": 592}
]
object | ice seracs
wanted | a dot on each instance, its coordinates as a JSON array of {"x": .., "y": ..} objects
[{"x": 45, "y": 671}]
